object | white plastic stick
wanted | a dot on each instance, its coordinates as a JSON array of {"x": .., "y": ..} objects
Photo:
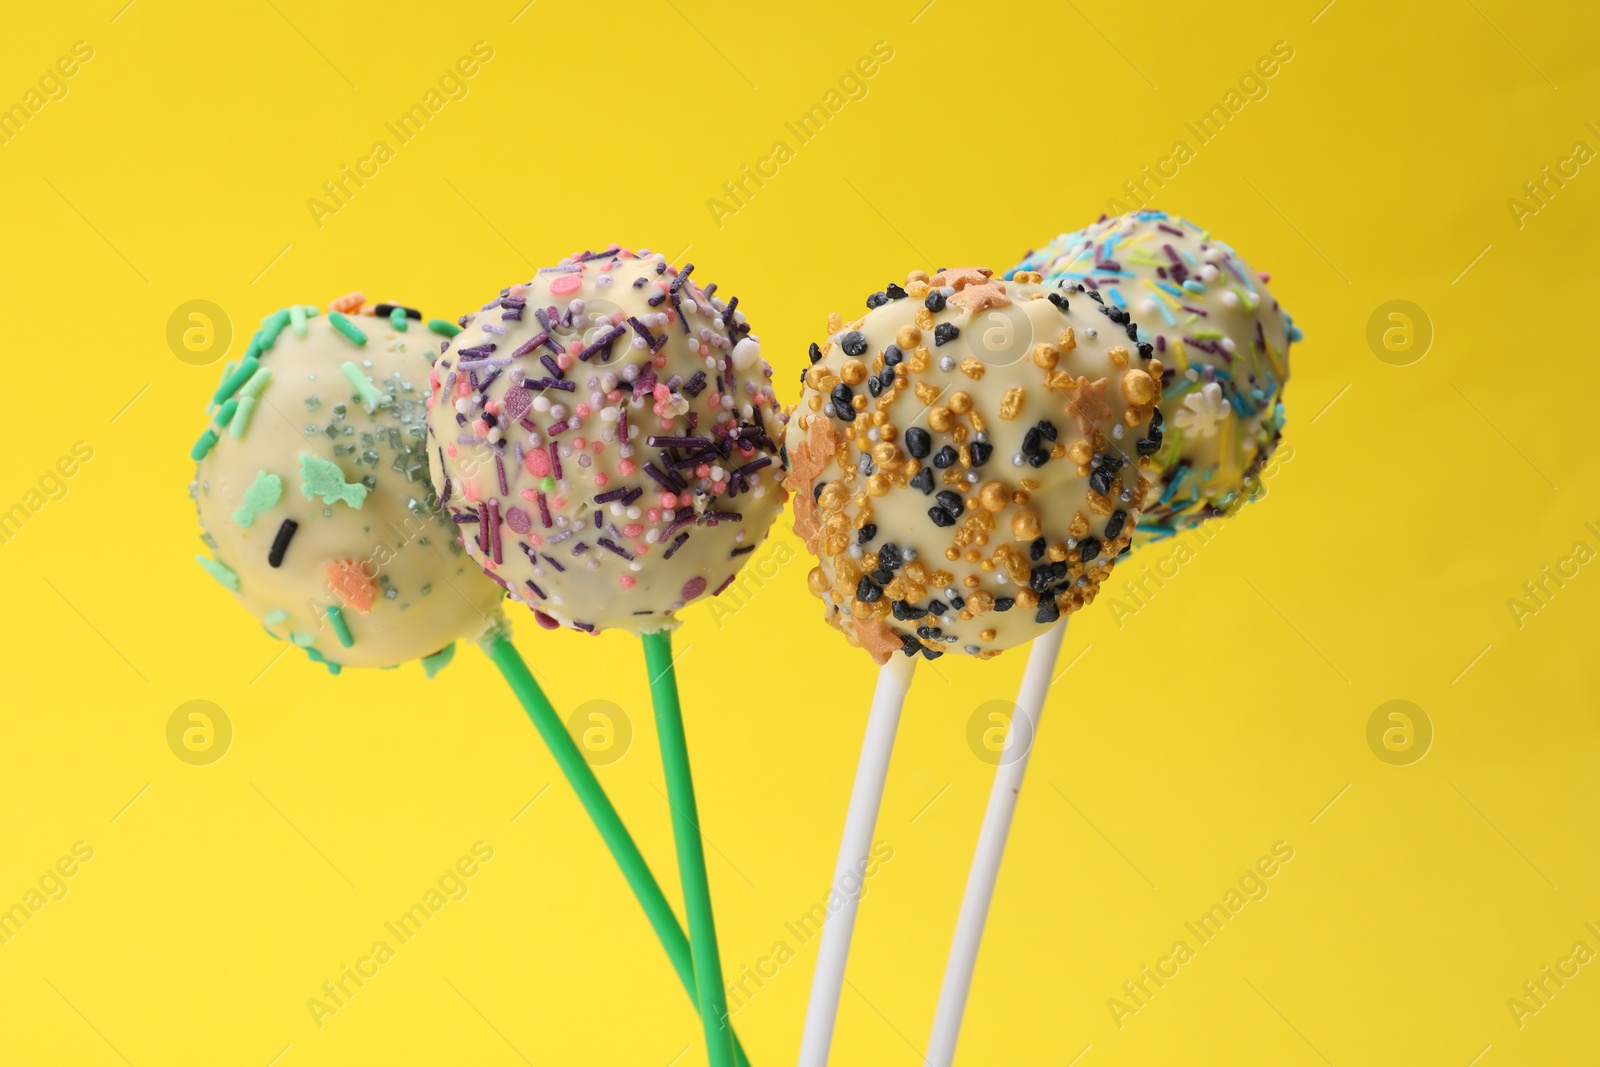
[
  {"x": 894, "y": 678},
  {"x": 1020, "y": 737}
]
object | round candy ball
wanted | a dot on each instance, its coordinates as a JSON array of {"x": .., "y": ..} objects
[
  {"x": 1224, "y": 340},
  {"x": 606, "y": 437},
  {"x": 965, "y": 460},
  {"x": 314, "y": 496}
]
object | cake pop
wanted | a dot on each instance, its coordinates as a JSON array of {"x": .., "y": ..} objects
[
  {"x": 967, "y": 464},
  {"x": 314, "y": 497},
  {"x": 1223, "y": 337},
  {"x": 605, "y": 435},
  {"x": 966, "y": 459},
  {"x": 1228, "y": 342}
]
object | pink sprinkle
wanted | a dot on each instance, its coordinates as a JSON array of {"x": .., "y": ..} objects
[
  {"x": 653, "y": 514},
  {"x": 626, "y": 581},
  {"x": 583, "y": 411},
  {"x": 518, "y": 290},
  {"x": 558, "y": 502},
  {"x": 716, "y": 399},
  {"x": 566, "y": 283},
  {"x": 627, "y": 467},
  {"x": 564, "y": 360},
  {"x": 601, "y": 478},
  {"x": 633, "y": 529},
  {"x": 529, "y": 495},
  {"x": 693, "y": 588},
  {"x": 702, "y": 471},
  {"x": 451, "y": 449},
  {"x": 480, "y": 427},
  {"x": 597, "y": 447},
  {"x": 462, "y": 388},
  {"x": 518, "y": 519},
  {"x": 668, "y": 500},
  {"x": 537, "y": 461},
  {"x": 577, "y": 444},
  {"x": 718, "y": 488}
]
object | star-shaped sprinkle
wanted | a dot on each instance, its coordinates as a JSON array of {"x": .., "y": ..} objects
[
  {"x": 976, "y": 298},
  {"x": 1087, "y": 403}
]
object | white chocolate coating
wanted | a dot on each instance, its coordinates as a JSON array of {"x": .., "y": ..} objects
[
  {"x": 606, "y": 435},
  {"x": 924, "y": 542},
  {"x": 404, "y": 590},
  {"x": 1225, "y": 342}
]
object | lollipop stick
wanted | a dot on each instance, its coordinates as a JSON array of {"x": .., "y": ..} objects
[
  {"x": 1020, "y": 736},
  {"x": 861, "y": 818},
  {"x": 713, "y": 999},
  {"x": 583, "y": 781}
]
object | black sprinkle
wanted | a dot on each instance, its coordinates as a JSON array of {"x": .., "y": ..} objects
[
  {"x": 944, "y": 457},
  {"x": 918, "y": 442},
  {"x": 854, "y": 343},
  {"x": 280, "y": 543},
  {"x": 944, "y": 333},
  {"x": 924, "y": 480},
  {"x": 935, "y": 301}
]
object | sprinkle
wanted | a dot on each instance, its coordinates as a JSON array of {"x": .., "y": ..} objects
[
  {"x": 203, "y": 446},
  {"x": 234, "y": 379},
  {"x": 348, "y": 302},
  {"x": 275, "y": 617},
  {"x": 397, "y": 319},
  {"x": 258, "y": 381},
  {"x": 321, "y": 477},
  {"x": 439, "y": 660},
  {"x": 371, "y": 398},
  {"x": 341, "y": 629},
  {"x": 280, "y": 543},
  {"x": 221, "y": 573},
  {"x": 264, "y": 492},
  {"x": 297, "y": 319},
  {"x": 337, "y": 320},
  {"x": 444, "y": 328},
  {"x": 350, "y": 582},
  {"x": 241, "y": 417}
]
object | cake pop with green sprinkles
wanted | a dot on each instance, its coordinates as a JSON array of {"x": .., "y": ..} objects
[
  {"x": 314, "y": 496},
  {"x": 1222, "y": 337}
]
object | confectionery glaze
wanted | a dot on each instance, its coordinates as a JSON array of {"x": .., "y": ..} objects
[
  {"x": 966, "y": 459},
  {"x": 606, "y": 437},
  {"x": 314, "y": 496},
  {"x": 1224, "y": 340}
]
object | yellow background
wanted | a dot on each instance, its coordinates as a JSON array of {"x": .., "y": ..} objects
[{"x": 1223, "y": 716}]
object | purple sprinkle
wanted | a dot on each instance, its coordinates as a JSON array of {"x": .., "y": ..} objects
[
  {"x": 611, "y": 494},
  {"x": 551, "y": 365},
  {"x": 544, "y": 511},
  {"x": 555, "y": 460},
  {"x": 552, "y": 561},
  {"x": 529, "y": 345},
  {"x": 656, "y": 441},
  {"x": 500, "y": 469},
  {"x": 677, "y": 544},
  {"x": 612, "y": 546},
  {"x": 739, "y": 552},
  {"x": 602, "y": 344},
  {"x": 477, "y": 351},
  {"x": 660, "y": 479},
  {"x": 536, "y": 590}
]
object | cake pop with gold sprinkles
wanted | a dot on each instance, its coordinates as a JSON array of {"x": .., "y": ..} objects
[{"x": 967, "y": 459}]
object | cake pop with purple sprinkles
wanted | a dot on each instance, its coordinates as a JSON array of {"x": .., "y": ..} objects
[{"x": 606, "y": 439}]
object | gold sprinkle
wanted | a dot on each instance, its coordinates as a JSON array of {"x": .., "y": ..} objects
[
  {"x": 1118, "y": 354},
  {"x": 925, "y": 392},
  {"x": 940, "y": 419},
  {"x": 919, "y": 360},
  {"x": 908, "y": 337},
  {"x": 1010, "y": 403},
  {"x": 994, "y": 496},
  {"x": 1045, "y": 356},
  {"x": 960, "y": 402},
  {"x": 924, "y": 318},
  {"x": 1025, "y": 525},
  {"x": 878, "y": 484},
  {"x": 1137, "y": 386},
  {"x": 973, "y": 368},
  {"x": 1068, "y": 340},
  {"x": 854, "y": 372}
]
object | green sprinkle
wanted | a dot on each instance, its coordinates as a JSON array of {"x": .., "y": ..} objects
[
  {"x": 297, "y": 319},
  {"x": 276, "y": 616},
  {"x": 225, "y": 413},
  {"x": 202, "y": 448},
  {"x": 1208, "y": 335},
  {"x": 240, "y": 374},
  {"x": 439, "y": 660},
  {"x": 241, "y": 418},
  {"x": 397, "y": 319},
  {"x": 370, "y": 397},
  {"x": 272, "y": 326},
  {"x": 221, "y": 573},
  {"x": 318, "y": 657},
  {"x": 443, "y": 327},
  {"x": 264, "y": 492},
  {"x": 258, "y": 381},
  {"x": 303, "y": 640},
  {"x": 547, "y": 484},
  {"x": 321, "y": 477},
  {"x": 346, "y": 327},
  {"x": 341, "y": 629}
]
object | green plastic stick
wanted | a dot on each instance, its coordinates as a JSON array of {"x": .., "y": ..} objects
[
  {"x": 713, "y": 1001},
  {"x": 581, "y": 777}
]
